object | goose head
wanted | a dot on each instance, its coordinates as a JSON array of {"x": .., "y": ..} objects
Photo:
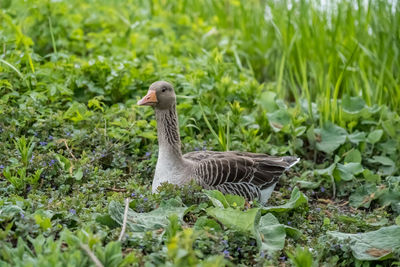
[{"x": 161, "y": 95}]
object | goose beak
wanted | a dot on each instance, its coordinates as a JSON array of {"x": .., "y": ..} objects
[{"x": 148, "y": 100}]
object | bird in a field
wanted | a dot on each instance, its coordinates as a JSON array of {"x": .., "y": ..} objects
[{"x": 251, "y": 175}]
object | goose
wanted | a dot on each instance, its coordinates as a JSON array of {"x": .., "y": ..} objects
[{"x": 250, "y": 175}]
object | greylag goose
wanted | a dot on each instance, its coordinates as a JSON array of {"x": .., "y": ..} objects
[{"x": 250, "y": 175}]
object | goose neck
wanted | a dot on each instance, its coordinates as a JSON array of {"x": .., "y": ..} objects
[{"x": 168, "y": 135}]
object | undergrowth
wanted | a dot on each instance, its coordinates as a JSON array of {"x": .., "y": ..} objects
[{"x": 320, "y": 81}]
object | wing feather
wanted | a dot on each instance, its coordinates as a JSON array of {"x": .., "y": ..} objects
[{"x": 240, "y": 173}]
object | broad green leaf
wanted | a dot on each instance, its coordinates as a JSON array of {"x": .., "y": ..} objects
[
  {"x": 397, "y": 220},
  {"x": 347, "y": 171},
  {"x": 281, "y": 104},
  {"x": 377, "y": 221},
  {"x": 308, "y": 184},
  {"x": 78, "y": 174},
  {"x": 300, "y": 131},
  {"x": 390, "y": 197},
  {"x": 235, "y": 201},
  {"x": 112, "y": 255},
  {"x": 353, "y": 156},
  {"x": 370, "y": 177},
  {"x": 331, "y": 138},
  {"x": 357, "y": 137},
  {"x": 279, "y": 119},
  {"x": 148, "y": 135},
  {"x": 389, "y": 147},
  {"x": 77, "y": 112},
  {"x": 267, "y": 101},
  {"x": 69, "y": 238},
  {"x": 363, "y": 196},
  {"x": 106, "y": 220},
  {"x": 272, "y": 233},
  {"x": 142, "y": 222},
  {"x": 374, "y": 136},
  {"x": 244, "y": 221},
  {"x": 388, "y": 168},
  {"x": 353, "y": 105},
  {"x": 389, "y": 128},
  {"x": 293, "y": 232},
  {"x": 297, "y": 198},
  {"x": 173, "y": 227},
  {"x": 302, "y": 257},
  {"x": 224, "y": 201},
  {"x": 352, "y": 167},
  {"x": 373, "y": 110},
  {"x": 64, "y": 162},
  {"x": 43, "y": 221},
  {"x": 372, "y": 246},
  {"x": 382, "y": 160},
  {"x": 350, "y": 220},
  {"x": 8, "y": 212},
  {"x": 327, "y": 171},
  {"x": 204, "y": 222},
  {"x": 311, "y": 136},
  {"x": 217, "y": 198}
]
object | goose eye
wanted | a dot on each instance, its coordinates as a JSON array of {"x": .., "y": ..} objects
[{"x": 164, "y": 89}]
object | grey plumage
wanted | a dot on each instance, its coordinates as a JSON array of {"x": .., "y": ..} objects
[
  {"x": 240, "y": 173},
  {"x": 251, "y": 175}
]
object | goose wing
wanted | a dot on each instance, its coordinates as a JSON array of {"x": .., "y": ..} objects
[
  {"x": 240, "y": 173},
  {"x": 201, "y": 155}
]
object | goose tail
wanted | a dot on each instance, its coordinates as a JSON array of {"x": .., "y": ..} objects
[{"x": 291, "y": 161}]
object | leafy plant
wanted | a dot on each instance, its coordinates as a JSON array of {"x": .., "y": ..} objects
[
  {"x": 249, "y": 76},
  {"x": 25, "y": 149},
  {"x": 19, "y": 179},
  {"x": 374, "y": 245},
  {"x": 301, "y": 257}
]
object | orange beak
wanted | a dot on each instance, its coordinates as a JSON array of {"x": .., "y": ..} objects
[{"x": 148, "y": 100}]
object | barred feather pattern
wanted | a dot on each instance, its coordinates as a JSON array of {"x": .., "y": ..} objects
[
  {"x": 246, "y": 190},
  {"x": 168, "y": 130},
  {"x": 239, "y": 173}
]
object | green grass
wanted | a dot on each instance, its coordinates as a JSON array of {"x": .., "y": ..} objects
[{"x": 277, "y": 77}]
